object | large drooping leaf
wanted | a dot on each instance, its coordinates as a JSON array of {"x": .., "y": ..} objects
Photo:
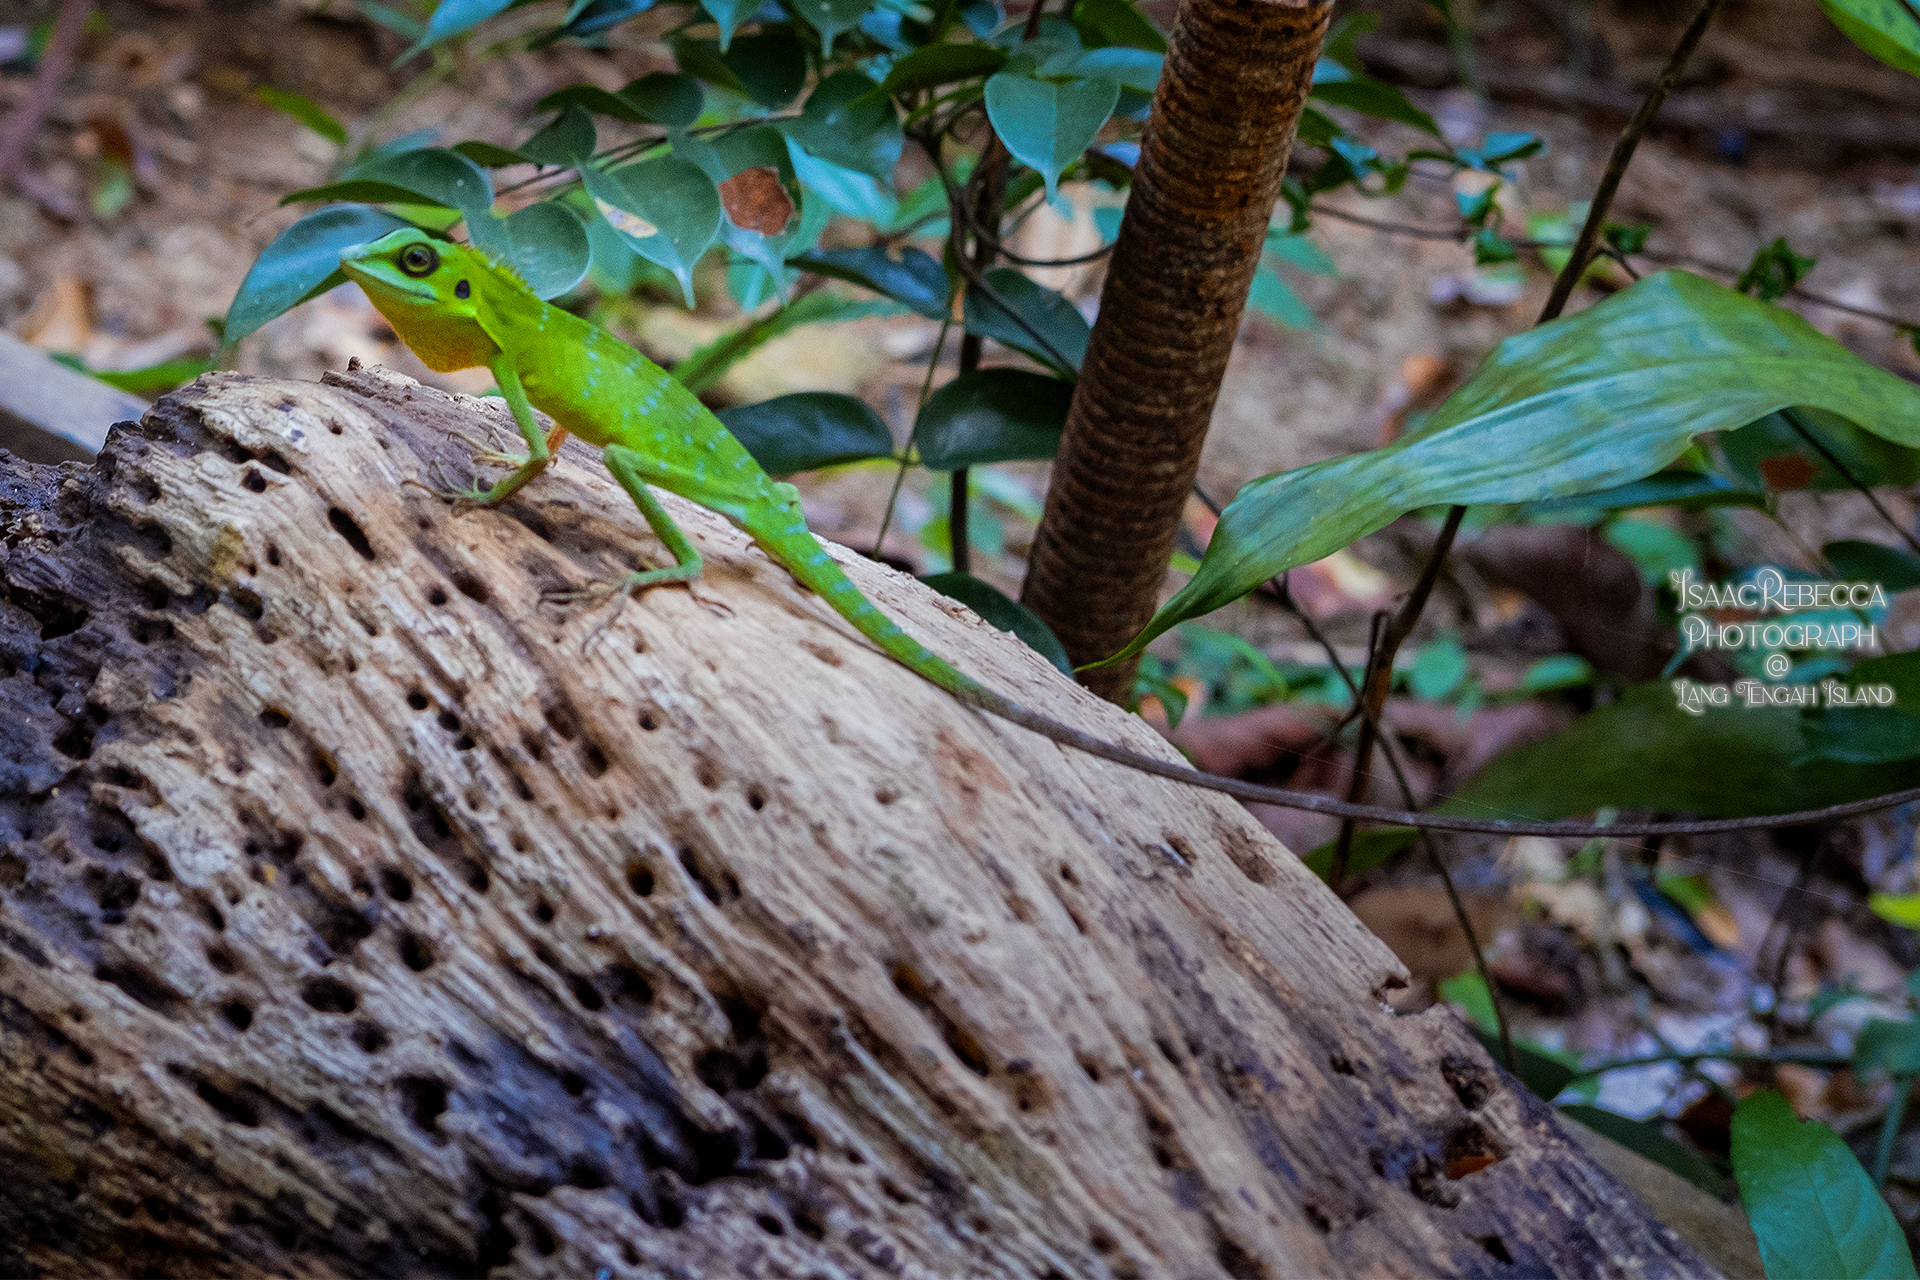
[
  {"x": 1046, "y": 313},
  {"x": 302, "y": 262},
  {"x": 1644, "y": 752},
  {"x": 1887, "y": 29},
  {"x": 549, "y": 247},
  {"x": 848, "y": 123},
  {"x": 808, "y": 430},
  {"x": 915, "y": 279},
  {"x": 993, "y": 415},
  {"x": 1869, "y": 734},
  {"x": 666, "y": 210},
  {"x": 1003, "y": 612},
  {"x": 1601, "y": 398},
  {"x": 1047, "y": 125},
  {"x": 1771, "y": 455},
  {"x": 1813, "y": 1208}
]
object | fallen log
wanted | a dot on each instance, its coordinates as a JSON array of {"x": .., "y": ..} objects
[{"x": 360, "y": 915}]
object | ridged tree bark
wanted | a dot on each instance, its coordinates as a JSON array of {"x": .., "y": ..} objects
[{"x": 1230, "y": 96}]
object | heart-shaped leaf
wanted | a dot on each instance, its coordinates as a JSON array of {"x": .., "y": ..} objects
[
  {"x": 808, "y": 430},
  {"x": 1600, "y": 398},
  {"x": 302, "y": 262},
  {"x": 915, "y": 279},
  {"x": 848, "y": 191},
  {"x": 993, "y": 415},
  {"x": 1887, "y": 29},
  {"x": 849, "y": 123},
  {"x": 1003, "y": 612},
  {"x": 1054, "y": 333},
  {"x": 1813, "y": 1209},
  {"x": 1047, "y": 125},
  {"x": 549, "y": 247},
  {"x": 759, "y": 194},
  {"x": 489, "y": 156},
  {"x": 666, "y": 210}
]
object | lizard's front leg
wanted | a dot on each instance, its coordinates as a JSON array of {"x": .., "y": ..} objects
[
  {"x": 540, "y": 445},
  {"x": 628, "y": 467}
]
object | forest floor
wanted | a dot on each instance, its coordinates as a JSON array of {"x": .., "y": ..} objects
[{"x": 1790, "y": 133}]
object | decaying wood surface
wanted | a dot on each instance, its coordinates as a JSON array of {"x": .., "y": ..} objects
[{"x": 360, "y": 915}]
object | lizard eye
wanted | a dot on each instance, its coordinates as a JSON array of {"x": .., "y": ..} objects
[{"x": 419, "y": 260}]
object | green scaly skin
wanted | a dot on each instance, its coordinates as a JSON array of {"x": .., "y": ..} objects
[{"x": 457, "y": 309}]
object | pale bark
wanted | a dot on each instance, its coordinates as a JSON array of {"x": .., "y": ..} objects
[{"x": 360, "y": 915}]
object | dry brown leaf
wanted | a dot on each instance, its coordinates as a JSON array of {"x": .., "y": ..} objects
[
  {"x": 1417, "y": 921},
  {"x": 62, "y": 316}
]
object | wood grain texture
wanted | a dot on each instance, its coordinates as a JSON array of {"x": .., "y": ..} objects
[{"x": 360, "y": 915}]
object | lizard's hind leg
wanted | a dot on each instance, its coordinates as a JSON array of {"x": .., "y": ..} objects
[{"x": 625, "y": 466}]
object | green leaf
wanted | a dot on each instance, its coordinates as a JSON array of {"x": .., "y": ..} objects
[
  {"x": 1116, "y": 22},
  {"x": 1770, "y": 455},
  {"x": 1775, "y": 269},
  {"x": 769, "y": 67},
  {"x": 1854, "y": 561},
  {"x": 665, "y": 210},
  {"x": 809, "y": 430},
  {"x": 1440, "y": 667},
  {"x": 993, "y": 415},
  {"x": 1045, "y": 311},
  {"x": 730, "y": 14},
  {"x": 858, "y": 195},
  {"x": 426, "y": 175},
  {"x": 1135, "y": 69},
  {"x": 451, "y": 17},
  {"x": 1370, "y": 849},
  {"x": 1645, "y": 1137},
  {"x": 939, "y": 64},
  {"x": 848, "y": 123},
  {"x": 915, "y": 279},
  {"x": 302, "y": 262},
  {"x": 1902, "y": 909},
  {"x": 1555, "y": 672},
  {"x": 1887, "y": 29},
  {"x": 1596, "y": 399},
  {"x": 549, "y": 247},
  {"x": 1004, "y": 613},
  {"x": 657, "y": 98},
  {"x": 1687, "y": 490},
  {"x": 1655, "y": 549},
  {"x": 1469, "y": 992},
  {"x": 594, "y": 16},
  {"x": 1274, "y": 298},
  {"x": 831, "y": 17},
  {"x": 1892, "y": 1047},
  {"x": 154, "y": 380},
  {"x": 306, "y": 111},
  {"x": 569, "y": 140},
  {"x": 404, "y": 25},
  {"x": 1372, "y": 97},
  {"x": 487, "y": 155},
  {"x": 1813, "y": 1208},
  {"x": 1861, "y": 735},
  {"x": 1644, "y": 752},
  {"x": 1299, "y": 251},
  {"x": 761, "y": 209},
  {"x": 1045, "y": 125}
]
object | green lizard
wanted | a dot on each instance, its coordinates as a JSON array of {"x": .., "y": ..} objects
[{"x": 456, "y": 308}]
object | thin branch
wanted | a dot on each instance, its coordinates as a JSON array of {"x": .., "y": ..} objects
[{"x": 1805, "y": 432}]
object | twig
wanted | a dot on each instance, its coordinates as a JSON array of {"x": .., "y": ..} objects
[
  {"x": 1622, "y": 156},
  {"x": 1805, "y": 432},
  {"x": 55, "y": 61},
  {"x": 1890, "y": 1129}
]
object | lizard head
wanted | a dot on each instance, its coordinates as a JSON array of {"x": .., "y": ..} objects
[{"x": 427, "y": 289}]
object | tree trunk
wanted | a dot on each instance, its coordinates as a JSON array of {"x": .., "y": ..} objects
[
  {"x": 1230, "y": 96},
  {"x": 360, "y": 915}
]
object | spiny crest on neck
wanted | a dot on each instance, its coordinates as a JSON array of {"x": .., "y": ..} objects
[{"x": 500, "y": 264}]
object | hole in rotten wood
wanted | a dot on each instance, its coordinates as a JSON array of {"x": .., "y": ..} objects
[
  {"x": 398, "y": 887},
  {"x": 640, "y": 879},
  {"x": 222, "y": 960},
  {"x": 237, "y": 1014},
  {"x": 356, "y": 810},
  {"x": 416, "y": 952},
  {"x": 594, "y": 760},
  {"x": 344, "y": 525},
  {"x": 426, "y": 1101},
  {"x": 329, "y": 995},
  {"x": 649, "y": 721},
  {"x": 254, "y": 482},
  {"x": 273, "y": 555},
  {"x": 573, "y": 1082},
  {"x": 436, "y": 596},
  {"x": 230, "y": 1107},
  {"x": 756, "y": 799},
  {"x": 274, "y": 718},
  {"x": 471, "y": 587},
  {"x": 543, "y": 1241},
  {"x": 371, "y": 1037},
  {"x": 417, "y": 700},
  {"x": 1495, "y": 1248},
  {"x": 275, "y": 461}
]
